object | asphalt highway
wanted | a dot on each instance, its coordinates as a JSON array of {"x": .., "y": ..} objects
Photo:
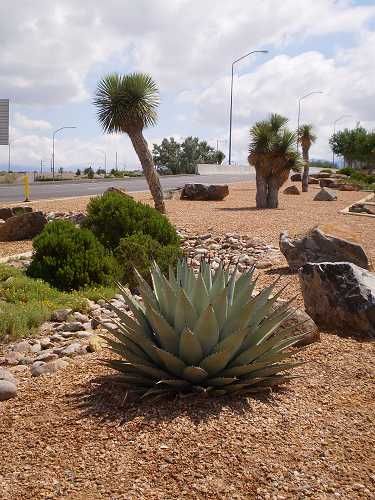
[{"x": 40, "y": 191}]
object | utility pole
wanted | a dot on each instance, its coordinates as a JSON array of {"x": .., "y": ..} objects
[{"x": 116, "y": 161}]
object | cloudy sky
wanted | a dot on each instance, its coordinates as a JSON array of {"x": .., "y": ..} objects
[{"x": 54, "y": 51}]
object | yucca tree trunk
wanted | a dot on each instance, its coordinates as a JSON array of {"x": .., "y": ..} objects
[
  {"x": 262, "y": 190},
  {"x": 148, "y": 167},
  {"x": 273, "y": 192},
  {"x": 305, "y": 175}
]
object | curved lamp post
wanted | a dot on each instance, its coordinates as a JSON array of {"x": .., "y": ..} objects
[
  {"x": 299, "y": 111},
  {"x": 53, "y": 149},
  {"x": 231, "y": 97},
  {"x": 334, "y": 131}
]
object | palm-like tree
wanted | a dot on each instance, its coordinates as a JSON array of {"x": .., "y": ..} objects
[
  {"x": 306, "y": 137},
  {"x": 273, "y": 153},
  {"x": 128, "y": 103}
]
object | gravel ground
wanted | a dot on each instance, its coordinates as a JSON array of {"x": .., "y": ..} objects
[
  {"x": 72, "y": 436},
  {"x": 238, "y": 214}
]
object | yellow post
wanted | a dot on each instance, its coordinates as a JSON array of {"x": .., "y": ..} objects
[{"x": 26, "y": 187}]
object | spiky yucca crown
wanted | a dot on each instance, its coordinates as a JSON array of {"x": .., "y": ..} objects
[{"x": 204, "y": 333}]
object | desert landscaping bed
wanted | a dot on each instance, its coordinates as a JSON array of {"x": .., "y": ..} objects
[
  {"x": 237, "y": 214},
  {"x": 72, "y": 435}
]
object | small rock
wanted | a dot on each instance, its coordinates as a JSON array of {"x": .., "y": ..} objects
[
  {"x": 325, "y": 195},
  {"x": 74, "y": 326},
  {"x": 56, "y": 337},
  {"x": 82, "y": 318},
  {"x": 40, "y": 368},
  {"x": 61, "y": 315},
  {"x": 8, "y": 390},
  {"x": 73, "y": 349},
  {"x": 36, "y": 348},
  {"x": 45, "y": 342},
  {"x": 5, "y": 375},
  {"x": 13, "y": 358},
  {"x": 293, "y": 190},
  {"x": 47, "y": 356},
  {"x": 23, "y": 346}
]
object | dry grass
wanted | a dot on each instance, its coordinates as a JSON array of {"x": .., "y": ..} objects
[{"x": 72, "y": 436}]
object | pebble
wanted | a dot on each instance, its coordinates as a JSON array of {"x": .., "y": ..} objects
[
  {"x": 9, "y": 377},
  {"x": 82, "y": 318},
  {"x": 47, "y": 356},
  {"x": 7, "y": 390},
  {"x": 45, "y": 342},
  {"x": 22, "y": 347},
  {"x": 41, "y": 368},
  {"x": 74, "y": 326},
  {"x": 61, "y": 315}
]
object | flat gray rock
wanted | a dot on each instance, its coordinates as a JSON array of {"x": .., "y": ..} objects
[{"x": 340, "y": 297}]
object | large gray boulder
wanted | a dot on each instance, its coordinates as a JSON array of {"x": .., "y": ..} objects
[
  {"x": 22, "y": 227},
  {"x": 322, "y": 244},
  {"x": 325, "y": 195},
  {"x": 204, "y": 192},
  {"x": 340, "y": 297}
]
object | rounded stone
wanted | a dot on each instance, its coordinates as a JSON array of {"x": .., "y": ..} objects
[{"x": 8, "y": 390}]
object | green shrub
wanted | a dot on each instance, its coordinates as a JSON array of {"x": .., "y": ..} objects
[
  {"x": 347, "y": 171},
  {"x": 138, "y": 252},
  {"x": 69, "y": 258},
  {"x": 114, "y": 216}
]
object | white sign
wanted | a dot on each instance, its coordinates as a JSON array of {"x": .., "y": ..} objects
[{"x": 4, "y": 122}]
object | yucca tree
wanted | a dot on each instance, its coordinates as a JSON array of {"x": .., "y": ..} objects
[
  {"x": 128, "y": 104},
  {"x": 306, "y": 138},
  {"x": 207, "y": 333},
  {"x": 272, "y": 152}
]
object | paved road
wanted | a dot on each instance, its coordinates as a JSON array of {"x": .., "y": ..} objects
[{"x": 64, "y": 190}]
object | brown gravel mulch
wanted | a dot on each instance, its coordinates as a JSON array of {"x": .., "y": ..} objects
[
  {"x": 72, "y": 436},
  {"x": 237, "y": 214}
]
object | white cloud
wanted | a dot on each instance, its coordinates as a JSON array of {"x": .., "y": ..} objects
[
  {"x": 24, "y": 123},
  {"x": 51, "y": 52}
]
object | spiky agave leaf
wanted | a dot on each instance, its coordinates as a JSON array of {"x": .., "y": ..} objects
[{"x": 199, "y": 333}]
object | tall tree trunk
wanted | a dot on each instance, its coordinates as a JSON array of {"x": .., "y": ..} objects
[
  {"x": 262, "y": 190},
  {"x": 305, "y": 175},
  {"x": 273, "y": 192},
  {"x": 148, "y": 167}
]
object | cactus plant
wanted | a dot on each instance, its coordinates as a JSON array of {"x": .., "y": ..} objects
[{"x": 201, "y": 333}]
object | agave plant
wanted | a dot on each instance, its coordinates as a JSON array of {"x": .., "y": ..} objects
[{"x": 206, "y": 332}]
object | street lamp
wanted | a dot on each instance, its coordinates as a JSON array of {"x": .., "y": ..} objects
[
  {"x": 105, "y": 158},
  {"x": 53, "y": 149},
  {"x": 231, "y": 97},
  {"x": 334, "y": 131},
  {"x": 299, "y": 111}
]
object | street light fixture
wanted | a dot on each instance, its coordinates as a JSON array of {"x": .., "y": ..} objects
[
  {"x": 53, "y": 149},
  {"x": 299, "y": 111},
  {"x": 231, "y": 97},
  {"x": 105, "y": 158},
  {"x": 334, "y": 131}
]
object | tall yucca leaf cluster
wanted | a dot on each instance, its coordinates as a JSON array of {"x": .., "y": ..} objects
[{"x": 204, "y": 332}]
